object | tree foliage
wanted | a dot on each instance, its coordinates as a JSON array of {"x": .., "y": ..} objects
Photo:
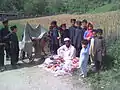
[{"x": 49, "y": 7}]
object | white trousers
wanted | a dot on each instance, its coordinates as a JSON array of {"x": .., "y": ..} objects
[{"x": 83, "y": 66}]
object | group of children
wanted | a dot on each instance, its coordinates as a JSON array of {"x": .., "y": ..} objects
[{"x": 89, "y": 42}]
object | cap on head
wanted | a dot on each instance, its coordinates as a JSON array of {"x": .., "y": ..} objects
[
  {"x": 66, "y": 39},
  {"x": 5, "y": 20},
  {"x": 13, "y": 27}
]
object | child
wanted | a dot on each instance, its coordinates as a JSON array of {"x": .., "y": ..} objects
[
  {"x": 84, "y": 57},
  {"x": 99, "y": 50},
  {"x": 88, "y": 33},
  {"x": 14, "y": 47},
  {"x": 91, "y": 50}
]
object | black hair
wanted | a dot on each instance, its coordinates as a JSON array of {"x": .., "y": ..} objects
[
  {"x": 90, "y": 25},
  {"x": 54, "y": 22},
  {"x": 78, "y": 22},
  {"x": 13, "y": 27},
  {"x": 5, "y": 21},
  {"x": 85, "y": 42},
  {"x": 84, "y": 21},
  {"x": 94, "y": 30},
  {"x": 100, "y": 31},
  {"x": 73, "y": 20}
]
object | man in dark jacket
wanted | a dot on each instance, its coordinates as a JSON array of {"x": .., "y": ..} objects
[
  {"x": 78, "y": 38},
  {"x": 64, "y": 33},
  {"x": 1, "y": 54},
  {"x": 72, "y": 30},
  {"x": 4, "y": 32},
  {"x": 54, "y": 37},
  {"x": 14, "y": 46}
]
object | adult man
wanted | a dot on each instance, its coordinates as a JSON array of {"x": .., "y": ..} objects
[
  {"x": 4, "y": 32},
  {"x": 14, "y": 49},
  {"x": 78, "y": 38},
  {"x": 67, "y": 51},
  {"x": 72, "y": 30}
]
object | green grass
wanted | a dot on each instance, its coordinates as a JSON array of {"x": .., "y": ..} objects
[
  {"x": 105, "y": 8},
  {"x": 109, "y": 79}
]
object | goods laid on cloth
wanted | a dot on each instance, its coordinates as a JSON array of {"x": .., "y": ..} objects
[
  {"x": 32, "y": 36},
  {"x": 60, "y": 67}
]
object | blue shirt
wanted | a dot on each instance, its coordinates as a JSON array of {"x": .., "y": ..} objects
[{"x": 84, "y": 54}]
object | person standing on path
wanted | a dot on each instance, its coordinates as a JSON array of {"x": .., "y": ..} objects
[
  {"x": 72, "y": 30},
  {"x": 84, "y": 57},
  {"x": 14, "y": 46},
  {"x": 4, "y": 32}
]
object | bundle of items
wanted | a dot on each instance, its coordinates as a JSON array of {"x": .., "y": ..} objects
[{"x": 59, "y": 66}]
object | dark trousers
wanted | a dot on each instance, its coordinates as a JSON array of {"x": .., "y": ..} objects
[
  {"x": 7, "y": 49},
  {"x": 54, "y": 48},
  {"x": 14, "y": 58},
  {"x": 97, "y": 65},
  {"x": 78, "y": 51},
  {"x": 1, "y": 56}
]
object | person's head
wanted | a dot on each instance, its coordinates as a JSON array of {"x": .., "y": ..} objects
[
  {"x": 63, "y": 26},
  {"x": 67, "y": 42},
  {"x": 84, "y": 23},
  {"x": 94, "y": 33},
  {"x": 54, "y": 23},
  {"x": 90, "y": 26},
  {"x": 73, "y": 22},
  {"x": 13, "y": 28},
  {"x": 84, "y": 43},
  {"x": 99, "y": 32},
  {"x": 5, "y": 22},
  {"x": 78, "y": 23}
]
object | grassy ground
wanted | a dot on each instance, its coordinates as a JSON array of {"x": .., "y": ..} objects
[
  {"x": 109, "y": 79},
  {"x": 103, "y": 9}
]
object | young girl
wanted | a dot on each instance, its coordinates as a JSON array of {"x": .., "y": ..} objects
[
  {"x": 88, "y": 33},
  {"x": 84, "y": 57}
]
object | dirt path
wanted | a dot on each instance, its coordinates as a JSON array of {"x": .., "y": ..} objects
[{"x": 35, "y": 78}]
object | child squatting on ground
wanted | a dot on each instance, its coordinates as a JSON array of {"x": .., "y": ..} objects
[{"x": 84, "y": 57}]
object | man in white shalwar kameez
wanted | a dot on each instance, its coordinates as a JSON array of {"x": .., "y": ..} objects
[{"x": 67, "y": 52}]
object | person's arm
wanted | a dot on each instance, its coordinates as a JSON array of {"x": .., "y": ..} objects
[
  {"x": 85, "y": 35},
  {"x": 60, "y": 50},
  {"x": 72, "y": 54},
  {"x": 103, "y": 47}
]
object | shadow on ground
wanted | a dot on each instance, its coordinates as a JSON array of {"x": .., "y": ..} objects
[{"x": 23, "y": 65}]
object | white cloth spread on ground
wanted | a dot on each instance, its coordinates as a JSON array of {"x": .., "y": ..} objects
[
  {"x": 30, "y": 33},
  {"x": 63, "y": 63}
]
